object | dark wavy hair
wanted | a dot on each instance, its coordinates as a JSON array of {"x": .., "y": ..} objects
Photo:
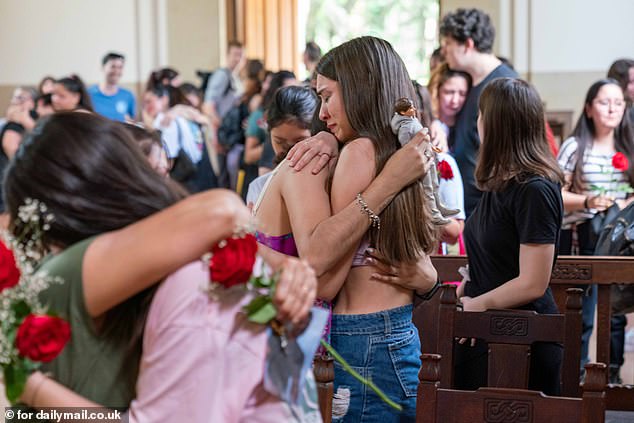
[
  {"x": 111, "y": 56},
  {"x": 93, "y": 178},
  {"x": 372, "y": 77},
  {"x": 74, "y": 84},
  {"x": 585, "y": 132},
  {"x": 145, "y": 138},
  {"x": 514, "y": 145},
  {"x": 294, "y": 105},
  {"x": 469, "y": 23},
  {"x": 162, "y": 77},
  {"x": 277, "y": 81}
]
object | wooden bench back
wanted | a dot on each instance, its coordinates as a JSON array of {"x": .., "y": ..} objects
[
  {"x": 324, "y": 370},
  {"x": 577, "y": 271},
  {"x": 509, "y": 333},
  {"x": 436, "y": 404}
]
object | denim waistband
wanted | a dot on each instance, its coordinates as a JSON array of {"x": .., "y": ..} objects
[{"x": 385, "y": 321}]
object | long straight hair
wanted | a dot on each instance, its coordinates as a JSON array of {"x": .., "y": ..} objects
[
  {"x": 93, "y": 178},
  {"x": 372, "y": 77},
  {"x": 585, "y": 132},
  {"x": 514, "y": 145}
]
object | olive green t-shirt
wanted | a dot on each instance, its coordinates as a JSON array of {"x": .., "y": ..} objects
[{"x": 89, "y": 364}]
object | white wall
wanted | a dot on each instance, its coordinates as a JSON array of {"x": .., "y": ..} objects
[
  {"x": 564, "y": 46},
  {"x": 197, "y": 35},
  {"x": 561, "y": 46},
  {"x": 581, "y": 35},
  {"x": 60, "y": 37},
  {"x": 64, "y": 36}
]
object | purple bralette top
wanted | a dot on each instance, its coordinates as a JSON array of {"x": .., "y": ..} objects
[
  {"x": 359, "y": 255},
  {"x": 284, "y": 244}
]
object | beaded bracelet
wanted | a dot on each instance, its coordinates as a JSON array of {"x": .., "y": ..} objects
[{"x": 375, "y": 220}]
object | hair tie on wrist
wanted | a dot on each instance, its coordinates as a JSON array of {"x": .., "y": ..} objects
[
  {"x": 426, "y": 296},
  {"x": 585, "y": 202}
]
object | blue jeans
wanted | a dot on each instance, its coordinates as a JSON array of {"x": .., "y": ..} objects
[{"x": 385, "y": 348}]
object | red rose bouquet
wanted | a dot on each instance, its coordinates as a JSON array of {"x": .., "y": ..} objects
[
  {"x": 9, "y": 272},
  {"x": 29, "y": 335},
  {"x": 42, "y": 337},
  {"x": 232, "y": 261},
  {"x": 231, "y": 265}
]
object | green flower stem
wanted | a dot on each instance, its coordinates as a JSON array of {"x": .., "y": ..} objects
[{"x": 358, "y": 377}]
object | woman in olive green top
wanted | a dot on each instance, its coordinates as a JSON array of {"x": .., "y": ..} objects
[
  {"x": 114, "y": 242},
  {"x": 96, "y": 183}
]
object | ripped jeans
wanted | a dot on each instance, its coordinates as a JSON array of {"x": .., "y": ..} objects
[{"x": 385, "y": 348}]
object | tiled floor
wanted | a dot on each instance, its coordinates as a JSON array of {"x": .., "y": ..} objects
[{"x": 619, "y": 417}]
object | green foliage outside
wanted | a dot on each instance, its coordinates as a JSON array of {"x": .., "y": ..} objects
[{"x": 409, "y": 25}]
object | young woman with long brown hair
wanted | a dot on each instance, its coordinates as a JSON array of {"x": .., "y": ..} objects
[
  {"x": 603, "y": 130},
  {"x": 512, "y": 235},
  {"x": 358, "y": 82}
]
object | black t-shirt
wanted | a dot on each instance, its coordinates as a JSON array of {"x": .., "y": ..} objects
[
  {"x": 4, "y": 160},
  {"x": 523, "y": 213},
  {"x": 464, "y": 141}
]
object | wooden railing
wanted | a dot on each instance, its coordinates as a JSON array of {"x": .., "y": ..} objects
[{"x": 576, "y": 271}]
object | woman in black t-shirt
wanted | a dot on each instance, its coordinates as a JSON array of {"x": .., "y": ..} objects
[{"x": 512, "y": 235}]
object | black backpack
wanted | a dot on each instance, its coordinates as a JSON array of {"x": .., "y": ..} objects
[
  {"x": 231, "y": 131},
  {"x": 205, "y": 77},
  {"x": 617, "y": 239}
]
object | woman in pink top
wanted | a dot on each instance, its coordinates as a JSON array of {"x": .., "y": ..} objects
[{"x": 203, "y": 361}]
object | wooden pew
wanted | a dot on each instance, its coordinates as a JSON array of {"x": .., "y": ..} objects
[
  {"x": 442, "y": 405},
  {"x": 324, "y": 370},
  {"x": 572, "y": 271},
  {"x": 509, "y": 334},
  {"x": 603, "y": 271}
]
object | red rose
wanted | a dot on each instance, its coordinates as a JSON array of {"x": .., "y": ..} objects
[
  {"x": 619, "y": 162},
  {"x": 444, "y": 169},
  {"x": 9, "y": 272},
  {"x": 42, "y": 337},
  {"x": 232, "y": 264}
]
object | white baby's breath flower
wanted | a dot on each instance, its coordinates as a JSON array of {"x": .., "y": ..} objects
[{"x": 33, "y": 220}]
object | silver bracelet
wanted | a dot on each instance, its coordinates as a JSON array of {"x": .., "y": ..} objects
[{"x": 375, "y": 220}]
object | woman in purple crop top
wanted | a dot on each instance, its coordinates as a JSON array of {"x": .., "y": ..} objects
[{"x": 329, "y": 213}]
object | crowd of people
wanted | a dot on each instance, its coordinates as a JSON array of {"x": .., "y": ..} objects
[{"x": 340, "y": 211}]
